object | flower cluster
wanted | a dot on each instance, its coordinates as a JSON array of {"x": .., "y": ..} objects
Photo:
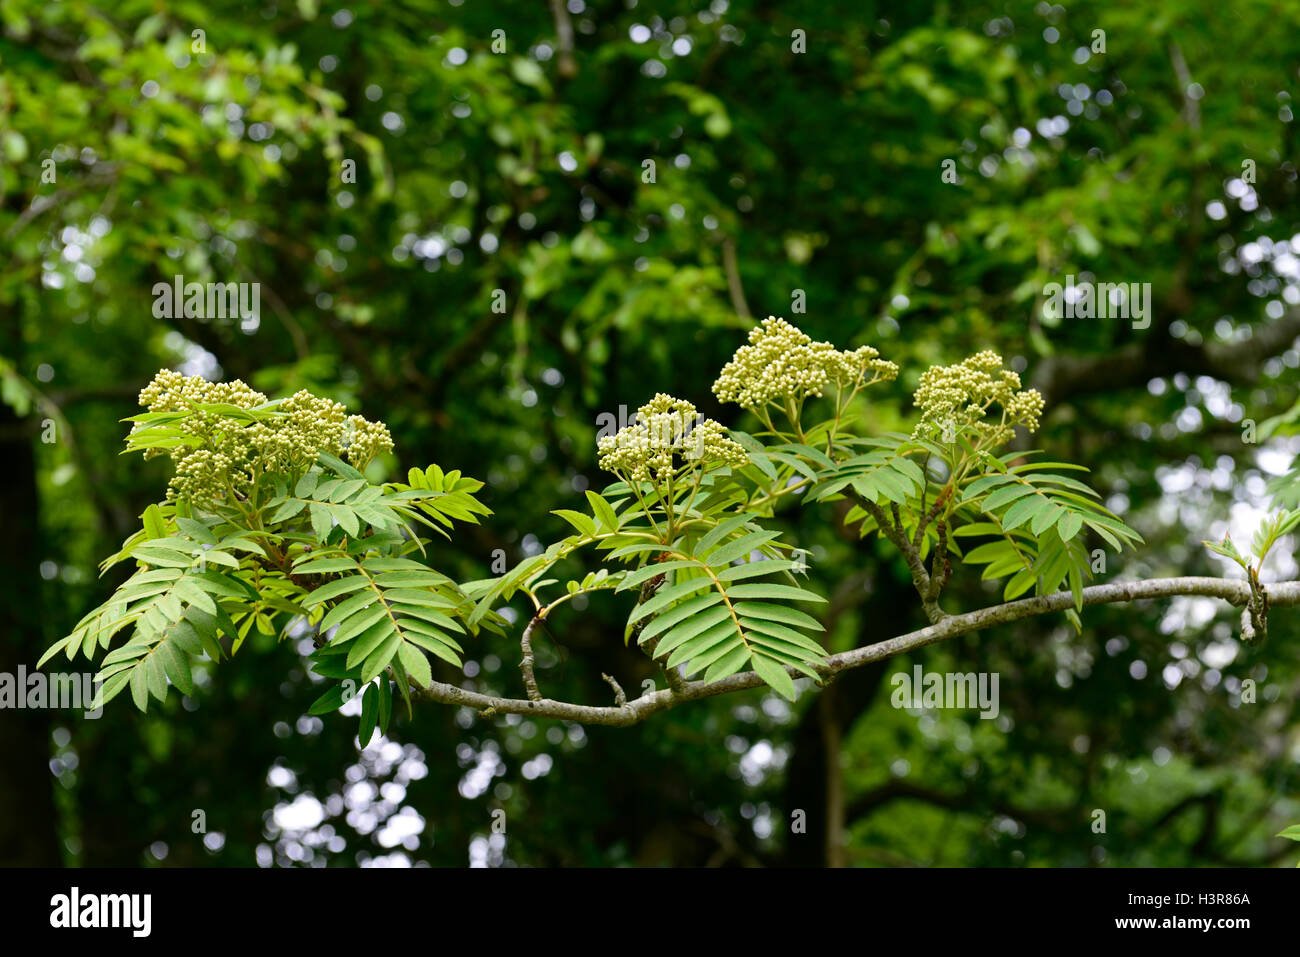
[
  {"x": 221, "y": 451},
  {"x": 783, "y": 363},
  {"x": 666, "y": 427},
  {"x": 363, "y": 440},
  {"x": 958, "y": 397},
  {"x": 172, "y": 392}
]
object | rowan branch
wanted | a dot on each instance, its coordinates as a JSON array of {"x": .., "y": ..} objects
[
  {"x": 526, "y": 663},
  {"x": 911, "y": 554},
  {"x": 620, "y": 698},
  {"x": 633, "y": 712}
]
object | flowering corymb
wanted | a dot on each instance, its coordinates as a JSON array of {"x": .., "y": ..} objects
[
  {"x": 957, "y": 397},
  {"x": 224, "y": 435},
  {"x": 782, "y": 366}
]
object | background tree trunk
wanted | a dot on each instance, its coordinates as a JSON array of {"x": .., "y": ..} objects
[{"x": 28, "y": 818}]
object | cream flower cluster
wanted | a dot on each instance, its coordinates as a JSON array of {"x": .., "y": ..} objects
[
  {"x": 666, "y": 427},
  {"x": 232, "y": 452},
  {"x": 782, "y": 362},
  {"x": 954, "y": 397},
  {"x": 363, "y": 440}
]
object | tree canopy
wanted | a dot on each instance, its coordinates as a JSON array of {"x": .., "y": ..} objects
[{"x": 494, "y": 233}]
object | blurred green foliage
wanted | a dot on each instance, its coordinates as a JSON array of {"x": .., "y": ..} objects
[{"x": 780, "y": 179}]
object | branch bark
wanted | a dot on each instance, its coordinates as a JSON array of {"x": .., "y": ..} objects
[
  {"x": 893, "y": 530},
  {"x": 950, "y": 626},
  {"x": 526, "y": 662}
]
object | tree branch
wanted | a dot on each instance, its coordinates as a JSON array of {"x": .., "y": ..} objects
[
  {"x": 620, "y": 698},
  {"x": 526, "y": 663},
  {"x": 950, "y": 626},
  {"x": 894, "y": 532}
]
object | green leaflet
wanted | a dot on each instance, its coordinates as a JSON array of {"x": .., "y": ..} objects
[
  {"x": 774, "y": 591},
  {"x": 342, "y": 610},
  {"x": 666, "y": 596},
  {"x": 1023, "y": 510},
  {"x": 700, "y": 648},
  {"x": 739, "y": 548},
  {"x": 373, "y": 614},
  {"x": 369, "y": 714},
  {"x": 441, "y": 649},
  {"x": 380, "y": 658},
  {"x": 583, "y": 523},
  {"x": 322, "y": 566},
  {"x": 780, "y": 613},
  {"x": 603, "y": 512},
  {"x": 755, "y": 569},
  {"x": 682, "y": 611},
  {"x": 718, "y": 533},
  {"x": 1005, "y": 496},
  {"x": 775, "y": 675},
  {"x": 1069, "y": 525},
  {"x": 368, "y": 640},
  {"x": 685, "y": 628},
  {"x": 334, "y": 589},
  {"x": 417, "y": 666}
]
